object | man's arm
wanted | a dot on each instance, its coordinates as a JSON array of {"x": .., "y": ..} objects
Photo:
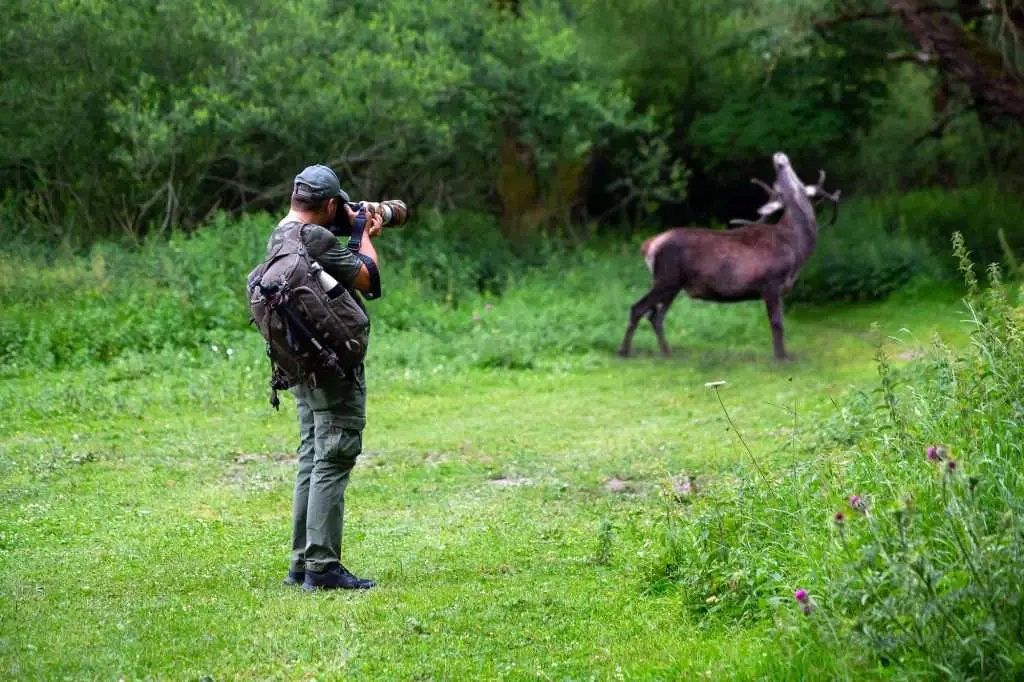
[
  {"x": 350, "y": 267},
  {"x": 368, "y": 278},
  {"x": 363, "y": 280}
]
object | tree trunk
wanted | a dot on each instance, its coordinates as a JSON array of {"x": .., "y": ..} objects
[{"x": 965, "y": 58}]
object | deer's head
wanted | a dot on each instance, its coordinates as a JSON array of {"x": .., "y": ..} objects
[{"x": 789, "y": 190}]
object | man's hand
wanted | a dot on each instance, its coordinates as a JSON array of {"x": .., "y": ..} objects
[
  {"x": 374, "y": 222},
  {"x": 364, "y": 282}
]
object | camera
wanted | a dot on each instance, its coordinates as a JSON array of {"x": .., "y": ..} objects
[{"x": 393, "y": 212}]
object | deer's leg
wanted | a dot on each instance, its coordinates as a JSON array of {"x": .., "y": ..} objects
[
  {"x": 773, "y": 304},
  {"x": 645, "y": 305},
  {"x": 657, "y": 318}
]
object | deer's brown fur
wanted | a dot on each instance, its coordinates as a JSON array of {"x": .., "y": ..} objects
[{"x": 757, "y": 261}]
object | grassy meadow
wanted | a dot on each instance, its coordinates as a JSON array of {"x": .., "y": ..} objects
[{"x": 531, "y": 505}]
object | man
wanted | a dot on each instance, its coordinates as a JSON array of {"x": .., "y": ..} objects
[{"x": 331, "y": 411}]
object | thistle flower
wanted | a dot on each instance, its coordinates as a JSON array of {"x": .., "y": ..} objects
[
  {"x": 804, "y": 600},
  {"x": 933, "y": 454},
  {"x": 856, "y": 503}
]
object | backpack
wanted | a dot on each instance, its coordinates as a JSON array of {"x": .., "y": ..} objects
[{"x": 307, "y": 330}]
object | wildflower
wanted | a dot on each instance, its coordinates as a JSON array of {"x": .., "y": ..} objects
[
  {"x": 951, "y": 465},
  {"x": 856, "y": 503},
  {"x": 804, "y": 600},
  {"x": 933, "y": 454},
  {"x": 839, "y": 518}
]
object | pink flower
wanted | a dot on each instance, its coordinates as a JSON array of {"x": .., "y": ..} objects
[
  {"x": 857, "y": 503},
  {"x": 933, "y": 454},
  {"x": 800, "y": 596}
]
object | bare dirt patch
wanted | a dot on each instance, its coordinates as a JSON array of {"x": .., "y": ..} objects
[
  {"x": 510, "y": 482},
  {"x": 247, "y": 458},
  {"x": 620, "y": 486}
]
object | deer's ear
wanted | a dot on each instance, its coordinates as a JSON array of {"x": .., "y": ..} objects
[{"x": 769, "y": 208}]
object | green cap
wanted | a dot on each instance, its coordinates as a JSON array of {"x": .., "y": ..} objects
[{"x": 317, "y": 182}]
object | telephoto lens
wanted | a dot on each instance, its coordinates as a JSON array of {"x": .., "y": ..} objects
[{"x": 393, "y": 212}]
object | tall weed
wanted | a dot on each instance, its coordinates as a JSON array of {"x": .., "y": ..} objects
[{"x": 900, "y": 542}]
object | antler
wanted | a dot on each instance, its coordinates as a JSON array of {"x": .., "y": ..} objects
[
  {"x": 773, "y": 205},
  {"x": 772, "y": 192},
  {"x": 818, "y": 190}
]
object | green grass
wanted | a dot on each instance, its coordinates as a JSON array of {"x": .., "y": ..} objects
[{"x": 145, "y": 513}]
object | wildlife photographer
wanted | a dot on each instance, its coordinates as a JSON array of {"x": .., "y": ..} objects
[{"x": 330, "y": 391}]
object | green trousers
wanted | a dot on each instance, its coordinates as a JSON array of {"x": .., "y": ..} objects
[{"x": 328, "y": 447}]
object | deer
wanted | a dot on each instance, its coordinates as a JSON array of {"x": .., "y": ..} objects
[{"x": 756, "y": 261}]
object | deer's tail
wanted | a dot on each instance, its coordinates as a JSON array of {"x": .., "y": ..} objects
[
  {"x": 649, "y": 249},
  {"x": 646, "y": 246}
]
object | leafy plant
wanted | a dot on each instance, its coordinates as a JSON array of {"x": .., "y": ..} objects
[{"x": 900, "y": 544}]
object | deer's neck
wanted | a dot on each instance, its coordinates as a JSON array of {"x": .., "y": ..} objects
[
  {"x": 800, "y": 213},
  {"x": 804, "y": 231}
]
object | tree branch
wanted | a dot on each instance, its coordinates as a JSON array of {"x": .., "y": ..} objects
[
  {"x": 938, "y": 128},
  {"x": 922, "y": 58},
  {"x": 965, "y": 13},
  {"x": 964, "y": 57}
]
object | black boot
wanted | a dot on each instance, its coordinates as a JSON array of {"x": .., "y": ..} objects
[
  {"x": 335, "y": 578},
  {"x": 295, "y": 578}
]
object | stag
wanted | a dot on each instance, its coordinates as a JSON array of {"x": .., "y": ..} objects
[{"x": 759, "y": 260}]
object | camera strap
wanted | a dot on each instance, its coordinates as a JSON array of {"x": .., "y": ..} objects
[
  {"x": 371, "y": 268},
  {"x": 356, "y": 237},
  {"x": 358, "y": 225}
]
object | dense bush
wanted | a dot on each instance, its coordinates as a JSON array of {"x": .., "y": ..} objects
[
  {"x": 119, "y": 125},
  {"x": 880, "y": 245},
  {"x": 187, "y": 291},
  {"x": 152, "y": 115},
  {"x": 859, "y": 259},
  {"x": 900, "y": 542},
  {"x": 65, "y": 307}
]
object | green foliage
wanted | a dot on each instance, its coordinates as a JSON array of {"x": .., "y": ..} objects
[
  {"x": 979, "y": 213},
  {"x": 165, "y": 480},
  {"x": 120, "y": 119},
  {"x": 805, "y": 97},
  {"x": 883, "y": 244},
  {"x": 442, "y": 274},
  {"x": 119, "y": 126},
  {"x": 187, "y": 292},
  {"x": 904, "y": 529},
  {"x": 902, "y": 147},
  {"x": 860, "y": 259}
]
